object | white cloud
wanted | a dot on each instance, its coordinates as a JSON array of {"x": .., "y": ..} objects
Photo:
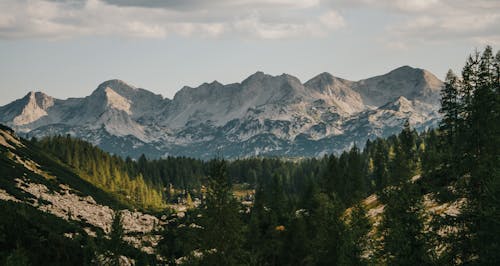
[
  {"x": 445, "y": 27},
  {"x": 407, "y": 22},
  {"x": 332, "y": 20},
  {"x": 414, "y": 5},
  {"x": 412, "y": 22},
  {"x": 266, "y": 19},
  {"x": 445, "y": 21},
  {"x": 256, "y": 26},
  {"x": 280, "y": 3},
  {"x": 140, "y": 29},
  {"x": 189, "y": 5}
]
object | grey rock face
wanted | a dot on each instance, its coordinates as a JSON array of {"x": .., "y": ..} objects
[{"x": 262, "y": 115}]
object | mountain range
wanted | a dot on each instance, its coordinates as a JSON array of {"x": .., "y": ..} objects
[{"x": 263, "y": 115}]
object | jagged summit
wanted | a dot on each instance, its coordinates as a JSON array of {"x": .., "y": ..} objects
[
  {"x": 41, "y": 98},
  {"x": 36, "y": 105},
  {"x": 118, "y": 86},
  {"x": 256, "y": 77},
  {"x": 412, "y": 83},
  {"x": 326, "y": 79},
  {"x": 290, "y": 78},
  {"x": 404, "y": 69},
  {"x": 216, "y": 83},
  {"x": 115, "y": 83},
  {"x": 28, "y": 109},
  {"x": 264, "y": 114}
]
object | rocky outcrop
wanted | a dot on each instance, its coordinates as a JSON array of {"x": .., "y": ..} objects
[{"x": 140, "y": 228}]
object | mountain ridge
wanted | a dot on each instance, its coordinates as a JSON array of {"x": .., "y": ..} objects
[{"x": 264, "y": 112}]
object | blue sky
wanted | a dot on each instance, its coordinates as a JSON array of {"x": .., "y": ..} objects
[{"x": 67, "y": 47}]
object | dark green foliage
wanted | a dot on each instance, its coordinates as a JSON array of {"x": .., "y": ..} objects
[
  {"x": 432, "y": 154},
  {"x": 329, "y": 232},
  {"x": 268, "y": 222},
  {"x": 450, "y": 107},
  {"x": 179, "y": 239},
  {"x": 380, "y": 165},
  {"x": 483, "y": 161},
  {"x": 222, "y": 234},
  {"x": 359, "y": 226},
  {"x": 116, "y": 244},
  {"x": 404, "y": 164},
  {"x": 31, "y": 237},
  {"x": 403, "y": 241},
  {"x": 471, "y": 162}
]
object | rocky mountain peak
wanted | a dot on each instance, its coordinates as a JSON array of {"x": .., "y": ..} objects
[
  {"x": 290, "y": 78},
  {"x": 257, "y": 76},
  {"x": 322, "y": 79},
  {"x": 337, "y": 92},
  {"x": 414, "y": 74},
  {"x": 216, "y": 83},
  {"x": 200, "y": 93},
  {"x": 30, "y": 108},
  {"x": 243, "y": 117},
  {"x": 326, "y": 80},
  {"x": 404, "y": 70},
  {"x": 270, "y": 88},
  {"x": 115, "y": 84},
  {"x": 41, "y": 99},
  {"x": 412, "y": 83},
  {"x": 118, "y": 86},
  {"x": 118, "y": 95}
]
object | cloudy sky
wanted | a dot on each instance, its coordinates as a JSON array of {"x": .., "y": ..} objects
[{"x": 67, "y": 47}]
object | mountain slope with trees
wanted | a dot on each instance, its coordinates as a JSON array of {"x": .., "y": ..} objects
[{"x": 414, "y": 198}]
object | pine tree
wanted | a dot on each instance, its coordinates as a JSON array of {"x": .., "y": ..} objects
[
  {"x": 116, "y": 244},
  {"x": 266, "y": 216},
  {"x": 403, "y": 166},
  {"x": 450, "y": 108},
  {"x": 403, "y": 241},
  {"x": 432, "y": 155},
  {"x": 223, "y": 228},
  {"x": 485, "y": 168},
  {"x": 330, "y": 237},
  {"x": 179, "y": 239},
  {"x": 380, "y": 165},
  {"x": 356, "y": 186},
  {"x": 358, "y": 228},
  {"x": 473, "y": 232}
]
